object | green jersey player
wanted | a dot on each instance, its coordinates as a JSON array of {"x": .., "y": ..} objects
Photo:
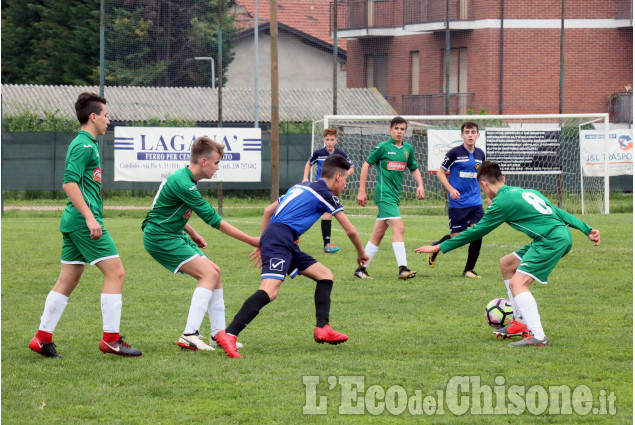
[
  {"x": 85, "y": 239},
  {"x": 172, "y": 242},
  {"x": 530, "y": 212},
  {"x": 391, "y": 158}
]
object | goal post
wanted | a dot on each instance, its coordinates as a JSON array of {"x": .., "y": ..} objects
[{"x": 539, "y": 152}]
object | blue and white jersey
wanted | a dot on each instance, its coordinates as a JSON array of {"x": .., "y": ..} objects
[
  {"x": 304, "y": 204},
  {"x": 320, "y": 155},
  {"x": 463, "y": 167}
]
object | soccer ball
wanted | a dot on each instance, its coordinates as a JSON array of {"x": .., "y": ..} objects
[{"x": 499, "y": 313}]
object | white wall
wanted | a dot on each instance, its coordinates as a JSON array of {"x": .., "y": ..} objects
[{"x": 299, "y": 65}]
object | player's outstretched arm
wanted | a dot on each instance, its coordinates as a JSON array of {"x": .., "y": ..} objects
[
  {"x": 74, "y": 193},
  {"x": 353, "y": 235},
  {"x": 594, "y": 236},
  {"x": 416, "y": 174},
  {"x": 431, "y": 249},
  {"x": 235, "y": 233},
  {"x": 361, "y": 194},
  {"x": 195, "y": 236}
]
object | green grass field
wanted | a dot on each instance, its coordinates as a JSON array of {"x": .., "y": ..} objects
[{"x": 408, "y": 339}]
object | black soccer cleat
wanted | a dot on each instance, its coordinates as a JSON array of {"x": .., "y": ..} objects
[
  {"x": 405, "y": 273},
  {"x": 46, "y": 349},
  {"x": 361, "y": 273},
  {"x": 119, "y": 348}
]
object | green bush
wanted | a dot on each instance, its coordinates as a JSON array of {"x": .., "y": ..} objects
[{"x": 29, "y": 121}]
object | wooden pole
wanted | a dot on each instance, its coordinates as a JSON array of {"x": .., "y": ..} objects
[{"x": 275, "y": 125}]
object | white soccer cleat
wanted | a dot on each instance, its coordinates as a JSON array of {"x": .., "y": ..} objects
[{"x": 194, "y": 342}]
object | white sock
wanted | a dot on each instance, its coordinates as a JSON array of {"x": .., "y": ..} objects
[
  {"x": 111, "y": 312},
  {"x": 517, "y": 315},
  {"x": 529, "y": 309},
  {"x": 198, "y": 308},
  {"x": 400, "y": 253},
  {"x": 216, "y": 310},
  {"x": 53, "y": 308},
  {"x": 371, "y": 250}
]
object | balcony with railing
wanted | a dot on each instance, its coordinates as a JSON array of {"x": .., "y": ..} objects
[
  {"x": 365, "y": 14},
  {"x": 434, "y": 103},
  {"x": 428, "y": 11}
]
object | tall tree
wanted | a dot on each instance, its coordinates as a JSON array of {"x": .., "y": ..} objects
[
  {"x": 148, "y": 42},
  {"x": 154, "y": 42},
  {"x": 50, "y": 42}
]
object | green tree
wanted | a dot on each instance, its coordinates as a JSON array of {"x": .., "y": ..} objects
[
  {"x": 153, "y": 42},
  {"x": 50, "y": 42}
]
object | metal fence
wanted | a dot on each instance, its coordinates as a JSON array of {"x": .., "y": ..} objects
[{"x": 35, "y": 162}]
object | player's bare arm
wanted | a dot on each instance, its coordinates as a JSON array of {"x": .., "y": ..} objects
[
  {"x": 430, "y": 249},
  {"x": 307, "y": 170},
  {"x": 235, "y": 233},
  {"x": 443, "y": 178},
  {"x": 75, "y": 195},
  {"x": 353, "y": 235},
  {"x": 416, "y": 174},
  {"x": 361, "y": 195},
  {"x": 195, "y": 236},
  {"x": 266, "y": 217}
]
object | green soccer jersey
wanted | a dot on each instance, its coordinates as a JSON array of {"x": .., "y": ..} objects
[
  {"x": 391, "y": 162},
  {"x": 173, "y": 204},
  {"x": 82, "y": 166},
  {"x": 523, "y": 209}
]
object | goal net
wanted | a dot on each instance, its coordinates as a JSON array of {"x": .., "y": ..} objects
[{"x": 539, "y": 152}]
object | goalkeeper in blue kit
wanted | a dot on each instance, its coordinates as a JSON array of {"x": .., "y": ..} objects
[{"x": 530, "y": 212}]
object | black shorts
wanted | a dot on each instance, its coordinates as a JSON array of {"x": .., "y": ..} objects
[
  {"x": 462, "y": 218},
  {"x": 280, "y": 254}
]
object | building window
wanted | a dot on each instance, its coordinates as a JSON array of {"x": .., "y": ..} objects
[
  {"x": 458, "y": 79},
  {"x": 377, "y": 72},
  {"x": 458, "y": 71},
  {"x": 414, "y": 72}
]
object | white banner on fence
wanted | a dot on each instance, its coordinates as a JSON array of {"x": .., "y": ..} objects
[
  {"x": 151, "y": 154},
  {"x": 441, "y": 141},
  {"x": 620, "y": 152}
]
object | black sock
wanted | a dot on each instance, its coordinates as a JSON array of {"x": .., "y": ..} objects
[
  {"x": 250, "y": 309},
  {"x": 326, "y": 231},
  {"x": 323, "y": 302},
  {"x": 443, "y": 239},
  {"x": 473, "y": 252}
]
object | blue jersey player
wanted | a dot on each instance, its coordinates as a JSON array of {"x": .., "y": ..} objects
[
  {"x": 318, "y": 158},
  {"x": 283, "y": 223},
  {"x": 465, "y": 204}
]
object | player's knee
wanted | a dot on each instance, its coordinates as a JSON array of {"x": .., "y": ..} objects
[
  {"x": 326, "y": 275},
  {"x": 272, "y": 292},
  {"x": 212, "y": 273},
  {"x": 119, "y": 274}
]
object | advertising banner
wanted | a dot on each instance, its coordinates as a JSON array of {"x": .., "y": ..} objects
[
  {"x": 441, "y": 141},
  {"x": 620, "y": 152},
  {"x": 150, "y": 154}
]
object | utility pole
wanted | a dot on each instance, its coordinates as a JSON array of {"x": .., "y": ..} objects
[
  {"x": 220, "y": 91},
  {"x": 275, "y": 125}
]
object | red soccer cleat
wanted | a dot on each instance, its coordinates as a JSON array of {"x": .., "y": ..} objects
[
  {"x": 515, "y": 328},
  {"x": 228, "y": 342},
  {"x": 119, "y": 348},
  {"x": 46, "y": 349},
  {"x": 326, "y": 334}
]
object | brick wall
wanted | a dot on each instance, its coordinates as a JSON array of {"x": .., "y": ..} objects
[{"x": 597, "y": 61}]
